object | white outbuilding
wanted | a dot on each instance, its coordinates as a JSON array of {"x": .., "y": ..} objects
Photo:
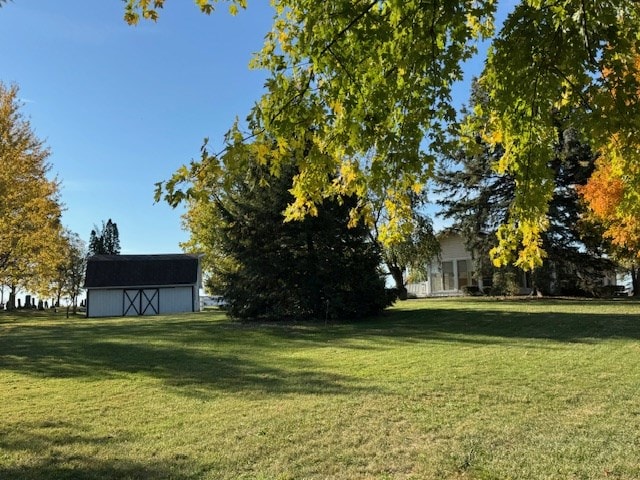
[{"x": 128, "y": 285}]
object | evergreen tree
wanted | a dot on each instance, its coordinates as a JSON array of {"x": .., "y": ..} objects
[
  {"x": 105, "y": 240},
  {"x": 315, "y": 268},
  {"x": 478, "y": 199},
  {"x": 95, "y": 243},
  {"x": 111, "y": 238}
]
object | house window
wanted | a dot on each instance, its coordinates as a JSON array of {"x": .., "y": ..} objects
[
  {"x": 436, "y": 281},
  {"x": 448, "y": 277},
  {"x": 452, "y": 275},
  {"x": 464, "y": 274}
]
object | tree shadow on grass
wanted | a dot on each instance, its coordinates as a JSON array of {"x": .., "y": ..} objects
[
  {"x": 37, "y": 436},
  {"x": 514, "y": 323},
  {"x": 209, "y": 356},
  {"x": 194, "y": 354},
  {"x": 90, "y": 469},
  {"x": 53, "y": 450},
  {"x": 483, "y": 326}
]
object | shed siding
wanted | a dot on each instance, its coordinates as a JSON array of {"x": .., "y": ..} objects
[
  {"x": 104, "y": 303},
  {"x": 147, "y": 301},
  {"x": 175, "y": 300}
]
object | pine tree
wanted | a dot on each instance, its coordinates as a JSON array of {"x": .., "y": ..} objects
[
  {"x": 95, "y": 243},
  {"x": 315, "y": 268},
  {"x": 105, "y": 240},
  {"x": 111, "y": 238},
  {"x": 478, "y": 200}
]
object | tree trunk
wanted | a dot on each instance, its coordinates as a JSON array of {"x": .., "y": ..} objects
[
  {"x": 635, "y": 280},
  {"x": 398, "y": 277},
  {"x": 319, "y": 305}
]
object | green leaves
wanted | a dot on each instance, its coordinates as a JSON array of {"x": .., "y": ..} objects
[
  {"x": 372, "y": 81},
  {"x": 368, "y": 82},
  {"x": 149, "y": 9},
  {"x": 547, "y": 63}
]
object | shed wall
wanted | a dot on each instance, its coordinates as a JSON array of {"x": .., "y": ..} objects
[
  {"x": 104, "y": 303},
  {"x": 176, "y": 300},
  {"x": 110, "y": 302}
]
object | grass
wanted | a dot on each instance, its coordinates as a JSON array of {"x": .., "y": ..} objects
[{"x": 441, "y": 389}]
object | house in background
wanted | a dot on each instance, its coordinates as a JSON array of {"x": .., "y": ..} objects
[
  {"x": 127, "y": 285},
  {"x": 453, "y": 270},
  {"x": 449, "y": 274}
]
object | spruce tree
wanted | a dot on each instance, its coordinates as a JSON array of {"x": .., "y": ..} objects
[
  {"x": 111, "y": 238},
  {"x": 95, "y": 243},
  {"x": 317, "y": 268},
  {"x": 478, "y": 200},
  {"x": 105, "y": 240}
]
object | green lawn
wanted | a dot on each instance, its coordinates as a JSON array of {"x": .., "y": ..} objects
[{"x": 442, "y": 389}]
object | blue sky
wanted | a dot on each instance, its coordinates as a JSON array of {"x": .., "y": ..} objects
[{"x": 122, "y": 107}]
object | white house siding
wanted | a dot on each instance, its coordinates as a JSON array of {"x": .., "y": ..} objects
[
  {"x": 450, "y": 274},
  {"x": 454, "y": 270},
  {"x": 104, "y": 303},
  {"x": 177, "y": 299},
  {"x": 452, "y": 247}
]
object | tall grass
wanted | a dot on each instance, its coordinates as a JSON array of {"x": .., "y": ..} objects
[{"x": 463, "y": 388}]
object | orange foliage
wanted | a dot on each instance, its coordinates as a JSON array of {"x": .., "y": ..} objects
[
  {"x": 603, "y": 192},
  {"x": 604, "y": 195},
  {"x": 608, "y": 192}
]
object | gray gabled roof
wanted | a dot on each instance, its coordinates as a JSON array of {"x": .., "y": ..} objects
[{"x": 108, "y": 271}]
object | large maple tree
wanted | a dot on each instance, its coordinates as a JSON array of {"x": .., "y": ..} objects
[
  {"x": 364, "y": 89},
  {"x": 31, "y": 233}
]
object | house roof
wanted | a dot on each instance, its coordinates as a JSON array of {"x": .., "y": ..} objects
[{"x": 141, "y": 270}]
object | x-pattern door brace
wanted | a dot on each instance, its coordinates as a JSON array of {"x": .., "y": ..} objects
[
  {"x": 141, "y": 301},
  {"x": 131, "y": 302},
  {"x": 149, "y": 302}
]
